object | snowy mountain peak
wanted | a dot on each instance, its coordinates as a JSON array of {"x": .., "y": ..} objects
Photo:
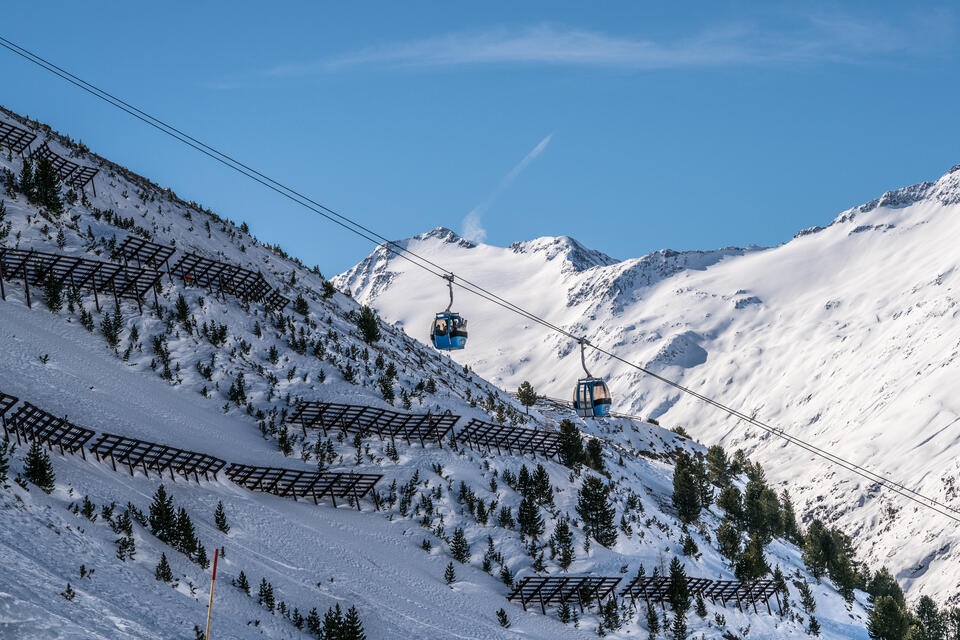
[
  {"x": 550, "y": 247},
  {"x": 442, "y": 234},
  {"x": 945, "y": 191}
]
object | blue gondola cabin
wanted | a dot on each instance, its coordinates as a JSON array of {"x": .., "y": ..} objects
[{"x": 449, "y": 331}]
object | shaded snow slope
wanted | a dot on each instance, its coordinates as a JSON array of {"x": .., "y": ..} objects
[{"x": 847, "y": 337}]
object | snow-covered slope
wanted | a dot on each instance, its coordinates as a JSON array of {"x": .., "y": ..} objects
[
  {"x": 313, "y": 556},
  {"x": 846, "y": 336}
]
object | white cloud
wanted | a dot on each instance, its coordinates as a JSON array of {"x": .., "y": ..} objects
[
  {"x": 472, "y": 226},
  {"x": 817, "y": 38}
]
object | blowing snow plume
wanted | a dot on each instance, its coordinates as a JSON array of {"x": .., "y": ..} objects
[{"x": 472, "y": 227}]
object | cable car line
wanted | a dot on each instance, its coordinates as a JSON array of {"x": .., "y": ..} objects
[{"x": 433, "y": 268}]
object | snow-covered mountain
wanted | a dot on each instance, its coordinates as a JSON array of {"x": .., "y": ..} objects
[
  {"x": 216, "y": 375},
  {"x": 846, "y": 336}
]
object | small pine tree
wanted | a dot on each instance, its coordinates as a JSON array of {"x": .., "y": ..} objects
[
  {"x": 332, "y": 623},
  {"x": 243, "y": 584},
  {"x": 653, "y": 620},
  {"x": 459, "y": 547},
  {"x": 202, "y": 558},
  {"x": 186, "y": 534},
  {"x": 265, "y": 596},
  {"x": 807, "y": 601},
  {"x": 300, "y": 306},
  {"x": 6, "y": 449},
  {"x": 450, "y": 575},
  {"x": 814, "y": 627},
  {"x": 678, "y": 592},
  {"x": 68, "y": 594},
  {"x": 352, "y": 628},
  {"x": 571, "y": 444},
  {"x": 220, "y": 518},
  {"x": 701, "y": 606},
  {"x": 686, "y": 495},
  {"x": 526, "y": 395},
  {"x": 689, "y": 546},
  {"x": 38, "y": 469},
  {"x": 503, "y": 619},
  {"x": 528, "y": 517},
  {"x": 163, "y": 572},
  {"x": 53, "y": 292},
  {"x": 597, "y": 512},
  {"x": 889, "y": 621},
  {"x": 368, "y": 325},
  {"x": 562, "y": 541},
  {"x": 163, "y": 518}
]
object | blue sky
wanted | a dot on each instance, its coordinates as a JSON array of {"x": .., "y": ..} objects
[{"x": 629, "y": 126}]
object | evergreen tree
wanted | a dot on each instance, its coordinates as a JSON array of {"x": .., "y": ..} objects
[
  {"x": 788, "y": 520},
  {"x": 678, "y": 593},
  {"x": 47, "y": 186},
  {"x": 597, "y": 512},
  {"x": 300, "y": 306},
  {"x": 332, "y": 623},
  {"x": 6, "y": 449},
  {"x": 701, "y": 607},
  {"x": 126, "y": 547},
  {"x": 243, "y": 584},
  {"x": 352, "y": 628},
  {"x": 728, "y": 538},
  {"x": 5, "y": 226},
  {"x": 686, "y": 494},
  {"x": 593, "y": 455},
  {"x": 503, "y": 619},
  {"x": 653, "y": 620},
  {"x": 68, "y": 593},
  {"x": 542, "y": 491},
  {"x": 526, "y": 395},
  {"x": 202, "y": 558},
  {"x": 562, "y": 541},
  {"x": 186, "y": 534},
  {"x": 689, "y": 546},
  {"x": 26, "y": 180},
  {"x": 38, "y": 469},
  {"x": 718, "y": 466},
  {"x": 163, "y": 572},
  {"x": 571, "y": 444},
  {"x": 761, "y": 509},
  {"x": 314, "y": 626},
  {"x": 265, "y": 596},
  {"x": 368, "y": 325},
  {"x": 814, "y": 627},
  {"x": 564, "y": 612},
  {"x": 888, "y": 620},
  {"x": 53, "y": 292},
  {"x": 731, "y": 501},
  {"x": 930, "y": 622},
  {"x": 459, "y": 547},
  {"x": 816, "y": 549},
  {"x": 678, "y": 630},
  {"x": 883, "y": 584},
  {"x": 505, "y": 518},
  {"x": 450, "y": 575},
  {"x": 162, "y": 516},
  {"x": 807, "y": 601},
  {"x": 528, "y": 517},
  {"x": 182, "y": 309},
  {"x": 220, "y": 518},
  {"x": 752, "y": 564}
]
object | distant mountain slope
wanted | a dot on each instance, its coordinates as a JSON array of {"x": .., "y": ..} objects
[{"x": 846, "y": 336}]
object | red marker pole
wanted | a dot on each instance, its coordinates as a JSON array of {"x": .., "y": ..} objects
[{"x": 213, "y": 582}]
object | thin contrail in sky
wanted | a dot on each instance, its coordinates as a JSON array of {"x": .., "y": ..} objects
[{"x": 472, "y": 229}]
